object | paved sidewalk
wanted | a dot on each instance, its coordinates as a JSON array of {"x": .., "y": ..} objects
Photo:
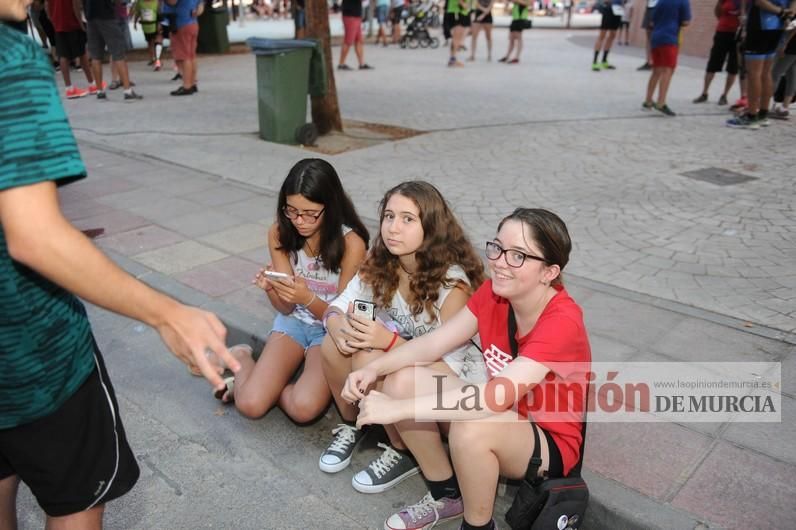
[{"x": 666, "y": 268}]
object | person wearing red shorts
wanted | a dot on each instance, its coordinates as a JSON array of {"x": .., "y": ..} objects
[
  {"x": 352, "y": 34},
  {"x": 183, "y": 42},
  {"x": 667, "y": 20}
]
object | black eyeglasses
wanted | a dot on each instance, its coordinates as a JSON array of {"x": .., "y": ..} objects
[
  {"x": 514, "y": 258},
  {"x": 308, "y": 216}
]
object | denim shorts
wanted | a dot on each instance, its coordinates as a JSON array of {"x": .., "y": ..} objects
[{"x": 305, "y": 335}]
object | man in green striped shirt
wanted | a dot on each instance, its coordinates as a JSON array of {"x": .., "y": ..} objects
[{"x": 59, "y": 427}]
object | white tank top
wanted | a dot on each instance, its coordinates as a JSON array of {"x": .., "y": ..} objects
[{"x": 320, "y": 280}]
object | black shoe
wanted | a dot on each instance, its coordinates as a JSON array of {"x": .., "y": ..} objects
[
  {"x": 343, "y": 67},
  {"x": 176, "y": 77},
  {"x": 132, "y": 96},
  {"x": 503, "y": 59},
  {"x": 366, "y": 66},
  {"x": 101, "y": 94},
  {"x": 701, "y": 99},
  {"x": 182, "y": 91},
  {"x": 645, "y": 66},
  {"x": 665, "y": 110},
  {"x": 194, "y": 89}
]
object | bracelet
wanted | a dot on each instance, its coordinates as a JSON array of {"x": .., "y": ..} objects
[
  {"x": 392, "y": 342},
  {"x": 314, "y": 296},
  {"x": 329, "y": 313}
]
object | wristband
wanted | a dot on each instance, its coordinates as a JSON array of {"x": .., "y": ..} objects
[
  {"x": 314, "y": 296},
  {"x": 329, "y": 313},
  {"x": 392, "y": 342}
]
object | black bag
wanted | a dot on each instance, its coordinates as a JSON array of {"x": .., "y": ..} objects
[
  {"x": 548, "y": 503},
  {"x": 543, "y": 503}
]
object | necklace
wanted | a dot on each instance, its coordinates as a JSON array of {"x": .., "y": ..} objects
[
  {"x": 314, "y": 266},
  {"x": 404, "y": 269}
]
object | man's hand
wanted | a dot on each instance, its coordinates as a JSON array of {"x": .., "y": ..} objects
[{"x": 190, "y": 333}]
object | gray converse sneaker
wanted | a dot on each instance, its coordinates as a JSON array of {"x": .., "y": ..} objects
[
  {"x": 389, "y": 469},
  {"x": 425, "y": 514},
  {"x": 338, "y": 455}
]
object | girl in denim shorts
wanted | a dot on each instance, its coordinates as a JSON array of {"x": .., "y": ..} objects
[
  {"x": 420, "y": 272},
  {"x": 318, "y": 241}
]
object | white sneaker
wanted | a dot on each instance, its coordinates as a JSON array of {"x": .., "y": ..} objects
[{"x": 338, "y": 455}]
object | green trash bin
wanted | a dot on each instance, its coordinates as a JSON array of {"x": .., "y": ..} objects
[
  {"x": 283, "y": 83},
  {"x": 213, "y": 36}
]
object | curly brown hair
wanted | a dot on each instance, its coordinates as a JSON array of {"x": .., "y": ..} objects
[{"x": 444, "y": 244}]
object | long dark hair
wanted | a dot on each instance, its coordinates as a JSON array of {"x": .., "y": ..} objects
[
  {"x": 444, "y": 244},
  {"x": 549, "y": 232},
  {"x": 317, "y": 181}
]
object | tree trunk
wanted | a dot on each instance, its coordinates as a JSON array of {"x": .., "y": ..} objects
[{"x": 325, "y": 109}]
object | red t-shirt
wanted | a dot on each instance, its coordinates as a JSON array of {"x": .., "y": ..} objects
[
  {"x": 63, "y": 16},
  {"x": 728, "y": 18},
  {"x": 558, "y": 340}
]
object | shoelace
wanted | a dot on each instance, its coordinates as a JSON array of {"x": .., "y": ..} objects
[
  {"x": 423, "y": 507},
  {"x": 345, "y": 435},
  {"x": 386, "y": 461}
]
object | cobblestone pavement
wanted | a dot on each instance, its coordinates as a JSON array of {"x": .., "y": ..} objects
[{"x": 548, "y": 132}]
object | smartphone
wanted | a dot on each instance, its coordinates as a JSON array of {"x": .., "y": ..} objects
[
  {"x": 278, "y": 276},
  {"x": 365, "y": 309}
]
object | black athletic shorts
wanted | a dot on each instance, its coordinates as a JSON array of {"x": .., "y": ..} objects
[
  {"x": 477, "y": 13},
  {"x": 610, "y": 21},
  {"x": 456, "y": 19},
  {"x": 77, "y": 457},
  {"x": 725, "y": 49},
  {"x": 556, "y": 467},
  {"x": 70, "y": 44},
  {"x": 518, "y": 25},
  {"x": 762, "y": 43}
]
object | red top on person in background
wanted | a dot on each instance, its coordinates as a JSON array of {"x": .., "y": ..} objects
[
  {"x": 728, "y": 17},
  {"x": 559, "y": 341},
  {"x": 63, "y": 16}
]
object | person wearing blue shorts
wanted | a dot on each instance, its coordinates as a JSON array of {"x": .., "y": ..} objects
[
  {"x": 764, "y": 28},
  {"x": 317, "y": 243}
]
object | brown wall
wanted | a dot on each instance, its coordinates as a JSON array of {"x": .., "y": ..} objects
[{"x": 697, "y": 37}]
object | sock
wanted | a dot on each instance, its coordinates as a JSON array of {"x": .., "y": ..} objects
[
  {"x": 68, "y": 87},
  {"x": 605, "y": 56},
  {"x": 406, "y": 453},
  {"x": 93, "y": 84},
  {"x": 158, "y": 51},
  {"x": 128, "y": 91},
  {"x": 445, "y": 488},
  {"x": 488, "y": 526},
  {"x": 596, "y": 56}
]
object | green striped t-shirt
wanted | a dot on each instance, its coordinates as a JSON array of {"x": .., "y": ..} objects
[{"x": 46, "y": 349}]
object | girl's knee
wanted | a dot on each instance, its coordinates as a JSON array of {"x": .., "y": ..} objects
[
  {"x": 400, "y": 384},
  {"x": 466, "y": 436},
  {"x": 250, "y": 406},
  {"x": 301, "y": 406}
]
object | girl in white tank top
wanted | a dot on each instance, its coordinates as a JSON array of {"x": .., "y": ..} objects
[{"x": 318, "y": 242}]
